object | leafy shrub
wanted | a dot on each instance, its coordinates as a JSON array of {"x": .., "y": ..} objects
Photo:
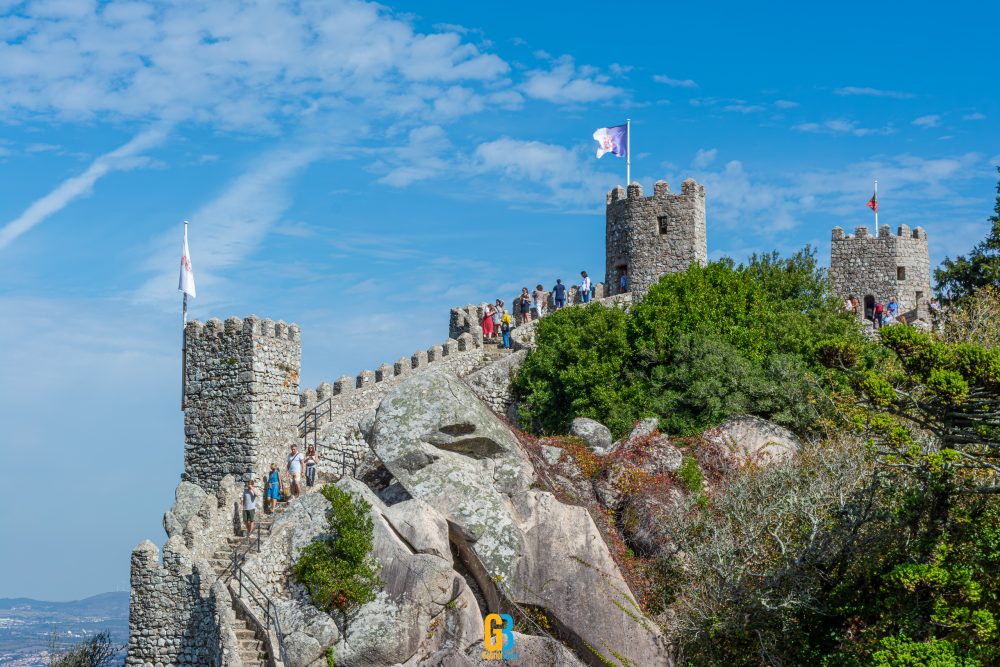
[
  {"x": 702, "y": 346},
  {"x": 337, "y": 568},
  {"x": 97, "y": 651}
]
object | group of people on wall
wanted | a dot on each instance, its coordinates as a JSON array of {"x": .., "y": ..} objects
[
  {"x": 497, "y": 321},
  {"x": 876, "y": 312},
  {"x": 278, "y": 487}
]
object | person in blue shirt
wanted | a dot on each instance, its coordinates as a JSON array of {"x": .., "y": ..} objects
[
  {"x": 894, "y": 307},
  {"x": 623, "y": 281},
  {"x": 559, "y": 294}
]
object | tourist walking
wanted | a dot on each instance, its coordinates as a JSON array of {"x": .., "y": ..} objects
[
  {"x": 488, "y": 321},
  {"x": 525, "y": 305},
  {"x": 623, "y": 281},
  {"x": 879, "y": 311},
  {"x": 505, "y": 329},
  {"x": 848, "y": 304},
  {"x": 312, "y": 458},
  {"x": 295, "y": 468},
  {"x": 854, "y": 305},
  {"x": 249, "y": 506},
  {"x": 585, "y": 287},
  {"x": 273, "y": 491},
  {"x": 559, "y": 294}
]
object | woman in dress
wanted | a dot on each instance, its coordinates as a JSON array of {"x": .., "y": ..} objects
[
  {"x": 273, "y": 488},
  {"x": 525, "y": 305},
  {"x": 488, "y": 321}
]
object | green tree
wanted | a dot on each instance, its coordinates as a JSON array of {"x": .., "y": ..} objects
[
  {"x": 337, "y": 569},
  {"x": 960, "y": 277},
  {"x": 703, "y": 345}
]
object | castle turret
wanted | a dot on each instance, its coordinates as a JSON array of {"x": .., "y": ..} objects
[
  {"x": 647, "y": 237},
  {"x": 241, "y": 397},
  {"x": 877, "y": 268}
]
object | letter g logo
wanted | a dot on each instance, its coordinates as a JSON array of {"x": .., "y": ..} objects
[{"x": 498, "y": 632}]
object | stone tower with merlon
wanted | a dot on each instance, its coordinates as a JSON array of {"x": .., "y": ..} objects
[
  {"x": 241, "y": 397},
  {"x": 647, "y": 237},
  {"x": 877, "y": 268}
]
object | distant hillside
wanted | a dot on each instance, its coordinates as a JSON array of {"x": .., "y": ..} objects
[{"x": 27, "y": 626}]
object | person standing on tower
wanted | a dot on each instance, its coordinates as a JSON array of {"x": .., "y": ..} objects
[
  {"x": 559, "y": 294},
  {"x": 585, "y": 287},
  {"x": 249, "y": 506}
]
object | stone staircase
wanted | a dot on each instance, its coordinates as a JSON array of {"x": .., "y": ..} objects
[{"x": 252, "y": 649}]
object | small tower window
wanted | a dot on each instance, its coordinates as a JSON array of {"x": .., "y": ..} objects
[
  {"x": 900, "y": 273},
  {"x": 664, "y": 224}
]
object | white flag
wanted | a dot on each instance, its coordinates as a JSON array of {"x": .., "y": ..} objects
[{"x": 186, "y": 282}]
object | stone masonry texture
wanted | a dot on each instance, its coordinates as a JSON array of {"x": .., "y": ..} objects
[
  {"x": 648, "y": 237},
  {"x": 241, "y": 397},
  {"x": 883, "y": 266}
]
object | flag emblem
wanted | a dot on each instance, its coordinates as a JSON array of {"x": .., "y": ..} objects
[
  {"x": 185, "y": 283},
  {"x": 612, "y": 140}
]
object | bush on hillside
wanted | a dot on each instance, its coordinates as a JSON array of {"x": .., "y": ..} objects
[
  {"x": 337, "y": 569},
  {"x": 703, "y": 345},
  {"x": 97, "y": 651}
]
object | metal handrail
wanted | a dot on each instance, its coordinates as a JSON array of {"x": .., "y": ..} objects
[
  {"x": 310, "y": 421},
  {"x": 263, "y": 602}
]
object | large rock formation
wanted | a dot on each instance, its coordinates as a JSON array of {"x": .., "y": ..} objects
[{"x": 520, "y": 544}]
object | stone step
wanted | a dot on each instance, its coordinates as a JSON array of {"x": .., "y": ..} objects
[{"x": 246, "y": 633}]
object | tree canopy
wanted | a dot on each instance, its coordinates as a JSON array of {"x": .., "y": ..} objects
[{"x": 960, "y": 277}]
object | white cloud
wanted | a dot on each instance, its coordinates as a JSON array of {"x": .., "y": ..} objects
[
  {"x": 565, "y": 83},
  {"x": 420, "y": 158},
  {"x": 122, "y": 158},
  {"x": 743, "y": 108},
  {"x": 974, "y": 116},
  {"x": 226, "y": 63},
  {"x": 930, "y": 120},
  {"x": 785, "y": 104},
  {"x": 703, "y": 157},
  {"x": 675, "y": 83},
  {"x": 873, "y": 92},
  {"x": 842, "y": 126}
]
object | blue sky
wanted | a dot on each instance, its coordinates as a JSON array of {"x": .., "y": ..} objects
[{"x": 360, "y": 169}]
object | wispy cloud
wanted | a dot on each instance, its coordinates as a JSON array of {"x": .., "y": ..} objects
[
  {"x": 565, "y": 83},
  {"x": 743, "y": 108},
  {"x": 674, "y": 83},
  {"x": 127, "y": 156},
  {"x": 785, "y": 104},
  {"x": 873, "y": 92},
  {"x": 842, "y": 126},
  {"x": 974, "y": 116},
  {"x": 704, "y": 157},
  {"x": 930, "y": 120},
  {"x": 229, "y": 229}
]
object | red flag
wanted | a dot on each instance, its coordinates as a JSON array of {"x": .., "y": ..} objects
[{"x": 873, "y": 202}]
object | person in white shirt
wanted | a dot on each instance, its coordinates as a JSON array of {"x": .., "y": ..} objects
[
  {"x": 585, "y": 287},
  {"x": 295, "y": 462}
]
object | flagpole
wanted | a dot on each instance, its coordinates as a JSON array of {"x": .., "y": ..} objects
[
  {"x": 184, "y": 338},
  {"x": 876, "y": 207},
  {"x": 628, "y": 152},
  {"x": 185, "y": 293}
]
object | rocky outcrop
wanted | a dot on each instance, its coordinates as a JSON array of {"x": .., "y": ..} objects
[
  {"x": 521, "y": 544},
  {"x": 425, "y": 604},
  {"x": 750, "y": 439},
  {"x": 594, "y": 433}
]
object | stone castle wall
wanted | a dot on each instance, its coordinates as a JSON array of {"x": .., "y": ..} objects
[
  {"x": 180, "y": 613},
  {"x": 883, "y": 266},
  {"x": 342, "y": 447},
  {"x": 648, "y": 237},
  {"x": 241, "y": 397}
]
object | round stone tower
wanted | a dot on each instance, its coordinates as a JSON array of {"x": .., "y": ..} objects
[{"x": 647, "y": 237}]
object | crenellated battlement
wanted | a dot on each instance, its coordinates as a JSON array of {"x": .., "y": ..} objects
[
  {"x": 418, "y": 361},
  {"x": 250, "y": 325},
  {"x": 647, "y": 237},
  {"x": 884, "y": 232}
]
